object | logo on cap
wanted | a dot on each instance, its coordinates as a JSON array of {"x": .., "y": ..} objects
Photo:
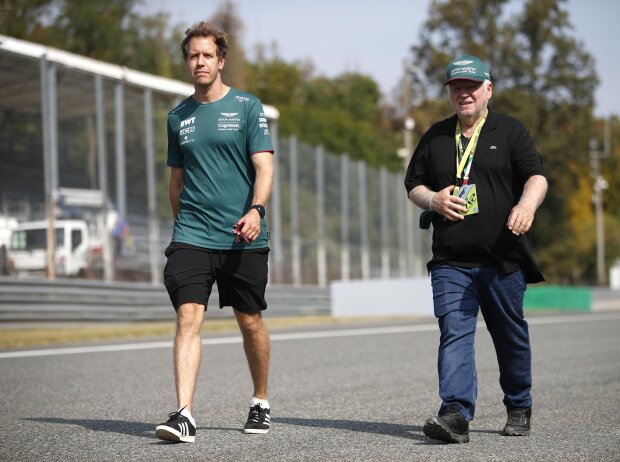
[{"x": 467, "y": 67}]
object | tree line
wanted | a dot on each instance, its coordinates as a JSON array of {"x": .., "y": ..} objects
[{"x": 542, "y": 74}]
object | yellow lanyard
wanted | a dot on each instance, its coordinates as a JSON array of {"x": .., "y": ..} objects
[{"x": 464, "y": 166}]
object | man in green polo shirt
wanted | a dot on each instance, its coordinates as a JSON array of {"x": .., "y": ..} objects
[{"x": 221, "y": 173}]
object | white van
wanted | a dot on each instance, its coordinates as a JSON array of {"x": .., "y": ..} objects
[
  {"x": 74, "y": 248},
  {"x": 7, "y": 225}
]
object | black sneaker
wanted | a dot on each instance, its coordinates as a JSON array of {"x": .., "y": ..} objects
[
  {"x": 451, "y": 427},
  {"x": 518, "y": 423},
  {"x": 178, "y": 429},
  {"x": 258, "y": 420}
]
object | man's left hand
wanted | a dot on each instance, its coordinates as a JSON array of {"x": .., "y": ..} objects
[
  {"x": 520, "y": 219},
  {"x": 251, "y": 225}
]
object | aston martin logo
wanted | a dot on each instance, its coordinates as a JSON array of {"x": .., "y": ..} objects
[{"x": 229, "y": 114}]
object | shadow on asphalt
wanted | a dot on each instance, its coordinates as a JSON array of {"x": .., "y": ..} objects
[
  {"x": 124, "y": 427},
  {"x": 145, "y": 430},
  {"x": 381, "y": 428}
]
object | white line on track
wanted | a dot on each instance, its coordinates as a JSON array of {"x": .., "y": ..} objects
[{"x": 295, "y": 336}]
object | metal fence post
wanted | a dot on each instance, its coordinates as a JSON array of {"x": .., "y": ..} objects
[
  {"x": 409, "y": 236},
  {"x": 363, "y": 205},
  {"x": 121, "y": 178},
  {"x": 276, "y": 207},
  {"x": 320, "y": 217},
  {"x": 385, "y": 240},
  {"x": 401, "y": 205},
  {"x": 295, "y": 240},
  {"x": 50, "y": 157},
  {"x": 108, "y": 273},
  {"x": 345, "y": 266},
  {"x": 151, "y": 188}
]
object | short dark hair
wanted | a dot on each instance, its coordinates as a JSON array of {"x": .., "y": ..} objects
[{"x": 205, "y": 29}]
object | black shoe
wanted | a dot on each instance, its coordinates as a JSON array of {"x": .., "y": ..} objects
[
  {"x": 258, "y": 420},
  {"x": 178, "y": 428},
  {"x": 518, "y": 423},
  {"x": 451, "y": 427}
]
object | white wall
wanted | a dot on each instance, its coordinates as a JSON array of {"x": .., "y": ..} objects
[{"x": 382, "y": 297}]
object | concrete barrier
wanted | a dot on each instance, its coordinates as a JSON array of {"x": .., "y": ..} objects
[
  {"x": 413, "y": 296},
  {"x": 382, "y": 297}
]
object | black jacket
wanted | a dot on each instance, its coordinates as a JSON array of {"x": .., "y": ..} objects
[{"x": 504, "y": 159}]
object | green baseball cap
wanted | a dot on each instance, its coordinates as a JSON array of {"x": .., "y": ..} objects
[{"x": 467, "y": 67}]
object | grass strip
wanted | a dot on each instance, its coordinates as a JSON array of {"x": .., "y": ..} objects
[{"x": 69, "y": 333}]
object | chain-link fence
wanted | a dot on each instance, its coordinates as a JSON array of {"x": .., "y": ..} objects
[{"x": 83, "y": 145}]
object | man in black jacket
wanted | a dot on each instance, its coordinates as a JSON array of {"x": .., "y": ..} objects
[{"x": 481, "y": 180}]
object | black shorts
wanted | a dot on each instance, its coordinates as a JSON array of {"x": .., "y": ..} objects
[{"x": 241, "y": 276}]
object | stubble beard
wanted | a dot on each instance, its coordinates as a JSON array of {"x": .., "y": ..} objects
[{"x": 472, "y": 118}]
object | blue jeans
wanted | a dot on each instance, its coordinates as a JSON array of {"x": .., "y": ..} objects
[{"x": 458, "y": 293}]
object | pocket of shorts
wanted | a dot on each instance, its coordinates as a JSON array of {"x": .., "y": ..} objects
[{"x": 172, "y": 247}]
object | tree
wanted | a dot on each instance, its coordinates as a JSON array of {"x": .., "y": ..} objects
[
  {"x": 544, "y": 77},
  {"x": 226, "y": 19},
  {"x": 25, "y": 19},
  {"x": 94, "y": 29},
  {"x": 343, "y": 114},
  {"x": 109, "y": 30},
  {"x": 153, "y": 46}
]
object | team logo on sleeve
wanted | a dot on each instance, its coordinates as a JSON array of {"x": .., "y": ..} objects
[
  {"x": 262, "y": 123},
  {"x": 186, "y": 130}
]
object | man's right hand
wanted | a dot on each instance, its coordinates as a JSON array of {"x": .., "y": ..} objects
[{"x": 450, "y": 206}]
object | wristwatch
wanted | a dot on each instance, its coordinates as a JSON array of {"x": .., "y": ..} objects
[{"x": 260, "y": 209}]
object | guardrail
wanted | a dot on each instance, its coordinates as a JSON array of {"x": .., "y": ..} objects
[
  {"x": 87, "y": 300},
  {"x": 84, "y": 300}
]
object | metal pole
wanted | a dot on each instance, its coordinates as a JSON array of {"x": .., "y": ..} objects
[
  {"x": 363, "y": 205},
  {"x": 53, "y": 115},
  {"x": 402, "y": 203},
  {"x": 48, "y": 94},
  {"x": 597, "y": 197},
  {"x": 295, "y": 241},
  {"x": 409, "y": 210},
  {"x": 276, "y": 207},
  {"x": 411, "y": 257},
  {"x": 150, "y": 188},
  {"x": 345, "y": 265},
  {"x": 121, "y": 179},
  {"x": 385, "y": 239},
  {"x": 320, "y": 217},
  {"x": 108, "y": 273},
  {"x": 600, "y": 240}
]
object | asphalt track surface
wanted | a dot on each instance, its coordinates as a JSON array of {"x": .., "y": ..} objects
[{"x": 350, "y": 393}]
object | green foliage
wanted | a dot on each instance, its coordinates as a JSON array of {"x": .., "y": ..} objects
[
  {"x": 343, "y": 114},
  {"x": 277, "y": 82},
  {"x": 108, "y": 30},
  {"x": 24, "y": 19},
  {"x": 234, "y": 72},
  {"x": 152, "y": 46}
]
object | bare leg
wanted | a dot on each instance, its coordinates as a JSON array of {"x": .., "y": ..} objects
[
  {"x": 187, "y": 352},
  {"x": 257, "y": 346}
]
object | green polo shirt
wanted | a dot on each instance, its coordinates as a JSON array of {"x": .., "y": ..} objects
[{"x": 214, "y": 143}]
